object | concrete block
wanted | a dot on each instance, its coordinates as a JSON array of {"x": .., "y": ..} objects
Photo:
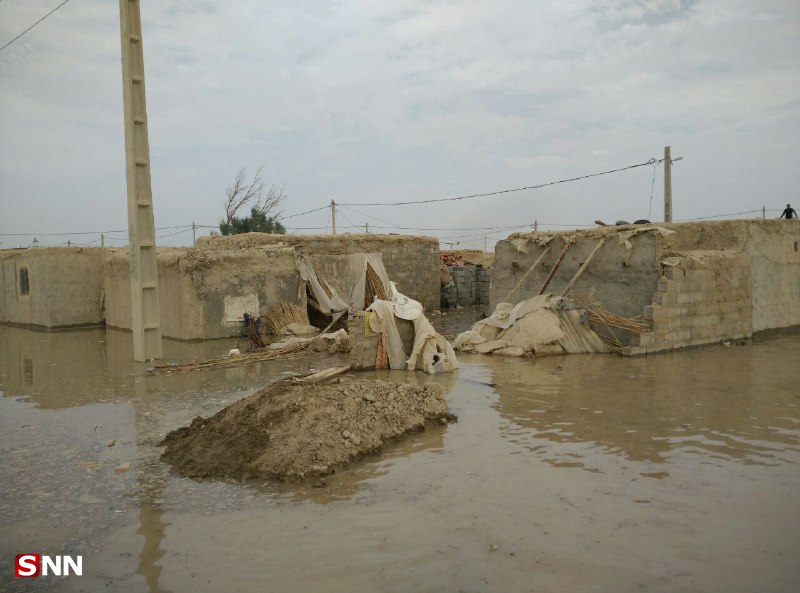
[{"x": 646, "y": 340}]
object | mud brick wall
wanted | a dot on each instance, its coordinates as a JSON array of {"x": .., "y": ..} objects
[
  {"x": 51, "y": 286},
  {"x": 469, "y": 286},
  {"x": 412, "y": 262}
]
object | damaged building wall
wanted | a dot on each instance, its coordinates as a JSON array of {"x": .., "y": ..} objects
[
  {"x": 51, "y": 286},
  {"x": 696, "y": 283},
  {"x": 623, "y": 274},
  {"x": 204, "y": 294},
  {"x": 412, "y": 262}
]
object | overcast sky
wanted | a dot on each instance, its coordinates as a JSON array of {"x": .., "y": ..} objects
[{"x": 366, "y": 101}]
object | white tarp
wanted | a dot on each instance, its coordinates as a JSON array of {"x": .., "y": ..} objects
[
  {"x": 431, "y": 352},
  {"x": 541, "y": 325},
  {"x": 345, "y": 277}
]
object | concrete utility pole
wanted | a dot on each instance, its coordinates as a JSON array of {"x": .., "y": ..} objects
[
  {"x": 333, "y": 216},
  {"x": 667, "y": 184},
  {"x": 145, "y": 308}
]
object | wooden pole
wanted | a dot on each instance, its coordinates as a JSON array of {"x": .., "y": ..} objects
[
  {"x": 333, "y": 217},
  {"x": 552, "y": 273},
  {"x": 583, "y": 267},
  {"x": 533, "y": 266}
]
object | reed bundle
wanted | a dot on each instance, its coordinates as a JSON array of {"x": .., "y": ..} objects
[
  {"x": 300, "y": 349},
  {"x": 281, "y": 314},
  {"x": 373, "y": 287},
  {"x": 603, "y": 318}
]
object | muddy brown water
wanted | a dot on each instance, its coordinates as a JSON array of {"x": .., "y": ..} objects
[{"x": 676, "y": 472}]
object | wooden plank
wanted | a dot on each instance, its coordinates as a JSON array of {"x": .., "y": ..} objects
[
  {"x": 521, "y": 280},
  {"x": 560, "y": 259},
  {"x": 583, "y": 267}
]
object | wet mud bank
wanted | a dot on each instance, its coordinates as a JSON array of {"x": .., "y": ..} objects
[{"x": 292, "y": 431}]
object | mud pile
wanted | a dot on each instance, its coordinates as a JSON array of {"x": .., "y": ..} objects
[{"x": 291, "y": 431}]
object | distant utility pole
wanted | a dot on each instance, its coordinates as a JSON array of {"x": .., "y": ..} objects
[
  {"x": 333, "y": 217},
  {"x": 667, "y": 184},
  {"x": 366, "y": 228},
  {"x": 145, "y": 308}
]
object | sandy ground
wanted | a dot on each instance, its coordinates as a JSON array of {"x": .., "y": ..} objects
[{"x": 292, "y": 430}]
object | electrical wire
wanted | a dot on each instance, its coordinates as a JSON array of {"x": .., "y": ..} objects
[
  {"x": 504, "y": 191},
  {"x": 173, "y": 234},
  {"x": 394, "y": 226},
  {"x": 302, "y": 213},
  {"x": 652, "y": 187},
  {"x": 33, "y": 25}
]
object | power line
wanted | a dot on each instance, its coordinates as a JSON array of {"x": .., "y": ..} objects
[
  {"x": 722, "y": 215},
  {"x": 394, "y": 226},
  {"x": 302, "y": 213},
  {"x": 173, "y": 234},
  {"x": 33, "y": 25},
  {"x": 64, "y": 234},
  {"x": 506, "y": 191}
]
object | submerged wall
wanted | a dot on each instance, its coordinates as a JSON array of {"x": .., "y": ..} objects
[
  {"x": 204, "y": 294},
  {"x": 695, "y": 283},
  {"x": 51, "y": 286},
  {"x": 204, "y": 291},
  {"x": 412, "y": 262}
]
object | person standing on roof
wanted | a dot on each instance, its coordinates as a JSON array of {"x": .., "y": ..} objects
[{"x": 789, "y": 213}]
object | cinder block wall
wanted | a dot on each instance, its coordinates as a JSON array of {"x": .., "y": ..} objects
[
  {"x": 706, "y": 299},
  {"x": 469, "y": 286},
  {"x": 412, "y": 262}
]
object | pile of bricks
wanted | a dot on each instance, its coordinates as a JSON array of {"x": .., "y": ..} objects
[{"x": 470, "y": 286}]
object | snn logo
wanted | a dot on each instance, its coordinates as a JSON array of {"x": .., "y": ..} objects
[{"x": 34, "y": 565}]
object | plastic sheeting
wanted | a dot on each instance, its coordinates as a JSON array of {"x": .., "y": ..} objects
[
  {"x": 345, "y": 277},
  {"x": 541, "y": 325},
  {"x": 431, "y": 352}
]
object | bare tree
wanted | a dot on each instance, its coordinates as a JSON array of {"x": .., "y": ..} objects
[{"x": 240, "y": 193}]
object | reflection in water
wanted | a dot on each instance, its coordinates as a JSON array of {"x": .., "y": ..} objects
[
  {"x": 712, "y": 436},
  {"x": 152, "y": 483},
  {"x": 649, "y": 409},
  {"x": 73, "y": 368}
]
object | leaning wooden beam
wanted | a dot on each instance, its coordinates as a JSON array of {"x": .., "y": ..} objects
[
  {"x": 552, "y": 273},
  {"x": 325, "y": 374},
  {"x": 583, "y": 267},
  {"x": 521, "y": 280}
]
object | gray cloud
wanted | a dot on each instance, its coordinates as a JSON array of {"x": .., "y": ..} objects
[{"x": 367, "y": 101}]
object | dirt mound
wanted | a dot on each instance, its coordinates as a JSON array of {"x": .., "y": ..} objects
[{"x": 291, "y": 431}]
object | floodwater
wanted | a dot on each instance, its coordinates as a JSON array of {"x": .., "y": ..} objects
[{"x": 676, "y": 472}]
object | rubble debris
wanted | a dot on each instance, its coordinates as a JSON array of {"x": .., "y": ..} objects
[
  {"x": 293, "y": 431},
  {"x": 540, "y": 325},
  {"x": 450, "y": 258}
]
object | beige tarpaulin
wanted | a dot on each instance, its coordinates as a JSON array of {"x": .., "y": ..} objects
[
  {"x": 344, "y": 277},
  {"x": 541, "y": 325},
  {"x": 431, "y": 352}
]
